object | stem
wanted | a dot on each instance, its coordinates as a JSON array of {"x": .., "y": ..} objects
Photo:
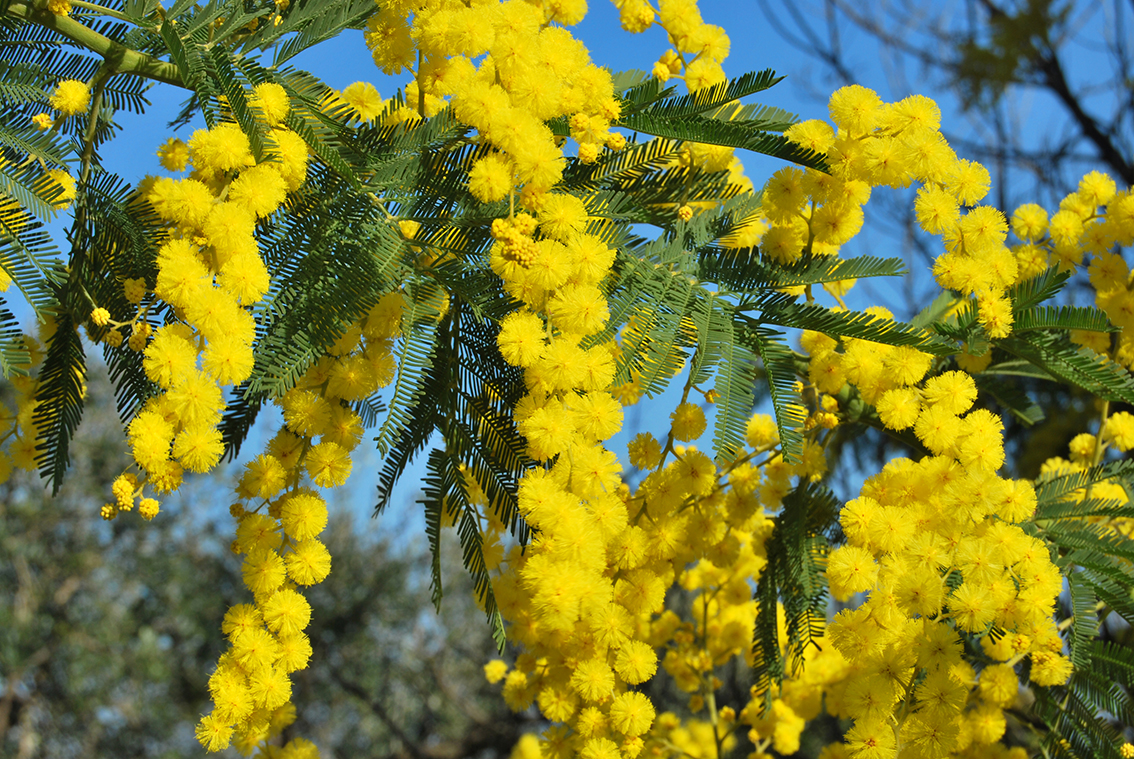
[
  {"x": 103, "y": 10},
  {"x": 420, "y": 89},
  {"x": 97, "y": 85},
  {"x": 1096, "y": 457},
  {"x": 121, "y": 59}
]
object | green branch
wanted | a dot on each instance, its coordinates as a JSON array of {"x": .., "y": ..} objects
[{"x": 121, "y": 59}]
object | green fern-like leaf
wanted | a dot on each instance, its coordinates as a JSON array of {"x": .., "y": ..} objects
[
  {"x": 1062, "y": 318},
  {"x": 733, "y": 134},
  {"x": 779, "y": 367},
  {"x": 852, "y": 324},
  {"x": 1076, "y": 365},
  {"x": 793, "y": 576},
  {"x": 60, "y": 395},
  {"x": 1040, "y": 288},
  {"x": 709, "y": 98}
]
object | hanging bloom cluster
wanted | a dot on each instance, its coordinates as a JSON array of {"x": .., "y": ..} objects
[
  {"x": 1094, "y": 220},
  {"x": 936, "y": 546},
  {"x": 279, "y": 523},
  {"x": 210, "y": 273},
  {"x": 882, "y": 144}
]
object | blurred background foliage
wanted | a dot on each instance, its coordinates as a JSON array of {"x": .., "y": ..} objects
[{"x": 109, "y": 630}]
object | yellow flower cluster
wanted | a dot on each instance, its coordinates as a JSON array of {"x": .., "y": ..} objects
[
  {"x": 20, "y": 427},
  {"x": 278, "y": 531},
  {"x": 936, "y": 546},
  {"x": 527, "y": 71},
  {"x": 71, "y": 97},
  {"x": 583, "y": 600},
  {"x": 210, "y": 272},
  {"x": 877, "y": 144},
  {"x": 699, "y": 49},
  {"x": 586, "y": 599},
  {"x": 1093, "y": 220}
]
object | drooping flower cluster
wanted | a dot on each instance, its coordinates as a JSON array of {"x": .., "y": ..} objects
[
  {"x": 210, "y": 272},
  {"x": 278, "y": 526},
  {"x": 937, "y": 547}
]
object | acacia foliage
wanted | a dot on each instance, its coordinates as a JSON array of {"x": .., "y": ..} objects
[{"x": 518, "y": 245}]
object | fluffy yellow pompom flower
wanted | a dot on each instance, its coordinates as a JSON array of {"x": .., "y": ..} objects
[
  {"x": 263, "y": 478},
  {"x": 644, "y": 450},
  {"x": 851, "y": 570},
  {"x": 898, "y": 409},
  {"x": 237, "y": 620},
  {"x": 255, "y": 649},
  {"x": 579, "y": 309},
  {"x": 490, "y": 178},
  {"x": 812, "y": 134},
  {"x": 71, "y": 97},
  {"x": 309, "y": 563},
  {"x": 953, "y": 392},
  {"x": 272, "y": 101},
  {"x": 562, "y": 216},
  {"x": 363, "y": 97},
  {"x": 258, "y": 531},
  {"x": 328, "y": 464},
  {"x": 174, "y": 154},
  {"x": 636, "y": 662},
  {"x": 688, "y": 421},
  {"x": 303, "y": 515},
  {"x": 198, "y": 448},
  {"x": 294, "y": 652},
  {"x": 968, "y": 182},
  {"x": 263, "y": 571},
  {"x": 495, "y": 671},
  {"x": 220, "y": 150},
  {"x": 1096, "y": 188},
  {"x": 260, "y": 189},
  {"x": 597, "y": 416},
  {"x": 761, "y": 431},
  {"x": 184, "y": 201},
  {"x": 305, "y": 412},
  {"x": 1029, "y": 222},
  {"x": 593, "y": 679},
  {"x": 631, "y": 713},
  {"x": 521, "y": 338},
  {"x": 196, "y": 399},
  {"x": 214, "y": 733},
  {"x": 937, "y": 211},
  {"x": 1119, "y": 430},
  {"x": 855, "y": 108},
  {"x": 228, "y": 359},
  {"x": 168, "y": 357},
  {"x": 286, "y": 612}
]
